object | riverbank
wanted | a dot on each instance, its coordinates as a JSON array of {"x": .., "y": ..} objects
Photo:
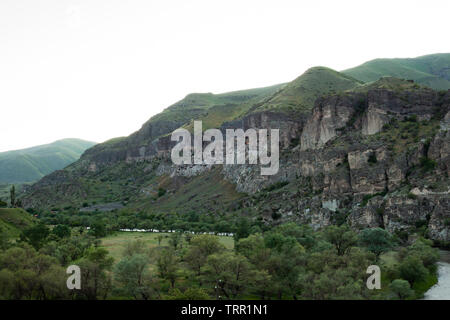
[{"x": 441, "y": 290}]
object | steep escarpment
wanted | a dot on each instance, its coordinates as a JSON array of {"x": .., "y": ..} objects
[
  {"x": 285, "y": 107},
  {"x": 372, "y": 155},
  {"x": 394, "y": 175}
]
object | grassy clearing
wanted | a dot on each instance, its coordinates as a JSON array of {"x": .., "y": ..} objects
[{"x": 115, "y": 243}]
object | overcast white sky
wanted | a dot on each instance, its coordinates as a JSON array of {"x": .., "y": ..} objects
[{"x": 98, "y": 69}]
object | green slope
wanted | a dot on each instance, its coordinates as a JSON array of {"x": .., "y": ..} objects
[
  {"x": 300, "y": 94},
  {"x": 31, "y": 164},
  {"x": 430, "y": 70},
  {"x": 213, "y": 109},
  {"x": 14, "y": 220}
]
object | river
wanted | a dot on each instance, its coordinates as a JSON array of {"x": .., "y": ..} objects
[{"x": 441, "y": 290}]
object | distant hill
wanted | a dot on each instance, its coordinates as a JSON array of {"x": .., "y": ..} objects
[
  {"x": 31, "y": 164},
  {"x": 14, "y": 220},
  {"x": 431, "y": 70}
]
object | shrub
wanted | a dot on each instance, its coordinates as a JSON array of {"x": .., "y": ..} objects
[
  {"x": 401, "y": 289},
  {"x": 412, "y": 118},
  {"x": 412, "y": 196},
  {"x": 161, "y": 192},
  {"x": 275, "y": 186},
  {"x": 376, "y": 240},
  {"x": 372, "y": 158},
  {"x": 427, "y": 164},
  {"x": 412, "y": 269},
  {"x": 276, "y": 215}
]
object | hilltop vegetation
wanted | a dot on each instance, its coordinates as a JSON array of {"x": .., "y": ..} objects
[
  {"x": 430, "y": 70},
  {"x": 214, "y": 109},
  {"x": 300, "y": 94},
  {"x": 31, "y": 164}
]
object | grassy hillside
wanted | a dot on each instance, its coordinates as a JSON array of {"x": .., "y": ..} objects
[
  {"x": 300, "y": 94},
  {"x": 430, "y": 70},
  {"x": 14, "y": 220},
  {"x": 201, "y": 106},
  {"x": 31, "y": 164}
]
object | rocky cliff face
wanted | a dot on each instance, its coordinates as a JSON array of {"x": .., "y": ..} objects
[
  {"x": 362, "y": 158},
  {"x": 371, "y": 157},
  {"x": 328, "y": 117}
]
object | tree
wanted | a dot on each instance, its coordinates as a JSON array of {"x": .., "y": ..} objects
[
  {"x": 96, "y": 282},
  {"x": 36, "y": 235},
  {"x": 376, "y": 240},
  {"x": 28, "y": 274},
  {"x": 6, "y": 284},
  {"x": 304, "y": 234},
  {"x": 18, "y": 203},
  {"x": 422, "y": 249},
  {"x": 231, "y": 274},
  {"x": 254, "y": 249},
  {"x": 132, "y": 248},
  {"x": 12, "y": 194},
  {"x": 262, "y": 284},
  {"x": 201, "y": 246},
  {"x": 167, "y": 264},
  {"x": 401, "y": 289},
  {"x": 341, "y": 237},
  {"x": 175, "y": 240},
  {"x": 160, "y": 238},
  {"x": 98, "y": 229},
  {"x": 243, "y": 229},
  {"x": 3, "y": 204},
  {"x": 188, "y": 294},
  {"x": 412, "y": 269},
  {"x": 285, "y": 264},
  {"x": 61, "y": 231},
  {"x": 134, "y": 278}
]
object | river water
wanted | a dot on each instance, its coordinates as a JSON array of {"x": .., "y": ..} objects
[{"x": 441, "y": 290}]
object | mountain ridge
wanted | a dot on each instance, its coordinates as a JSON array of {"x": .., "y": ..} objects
[
  {"x": 365, "y": 153},
  {"x": 432, "y": 70}
]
